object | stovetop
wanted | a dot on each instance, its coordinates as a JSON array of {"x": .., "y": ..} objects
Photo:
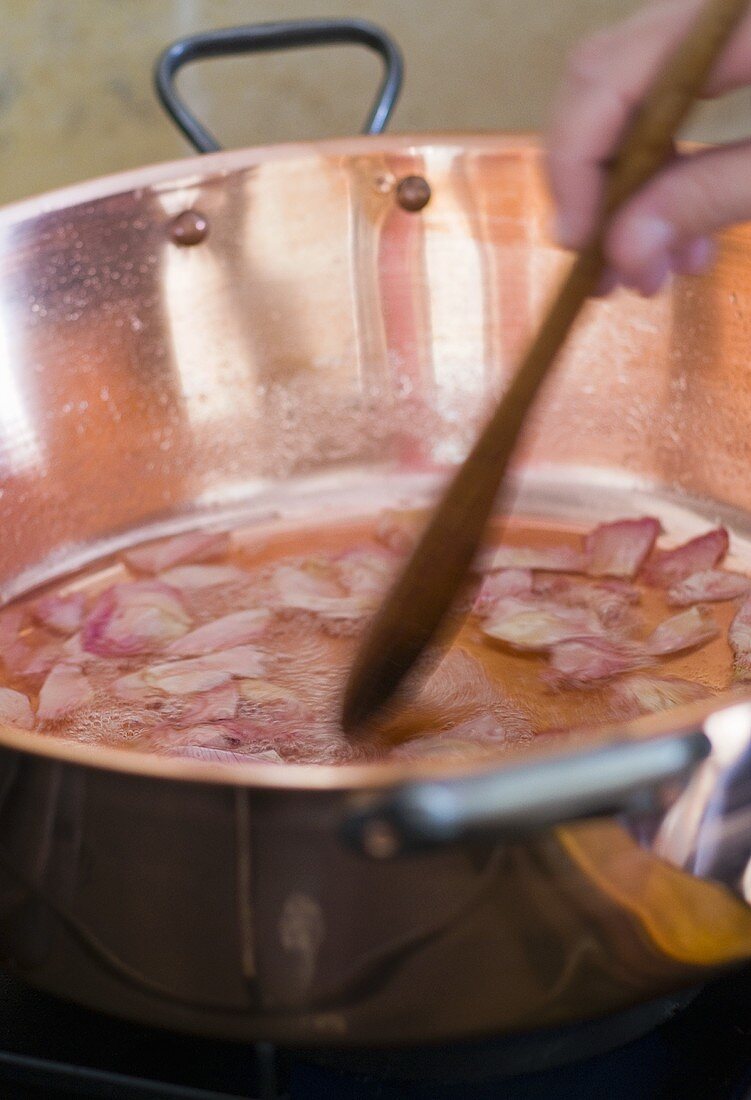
[{"x": 54, "y": 1050}]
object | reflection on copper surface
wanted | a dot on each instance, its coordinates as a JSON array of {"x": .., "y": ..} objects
[
  {"x": 320, "y": 335},
  {"x": 15, "y": 421}
]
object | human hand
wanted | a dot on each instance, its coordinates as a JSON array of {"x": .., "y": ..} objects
[{"x": 667, "y": 226}]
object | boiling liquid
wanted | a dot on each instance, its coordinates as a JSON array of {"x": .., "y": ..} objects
[{"x": 308, "y": 658}]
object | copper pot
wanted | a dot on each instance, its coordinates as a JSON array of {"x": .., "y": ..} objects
[{"x": 240, "y": 334}]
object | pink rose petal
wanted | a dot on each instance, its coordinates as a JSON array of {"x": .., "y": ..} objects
[
  {"x": 739, "y": 637},
  {"x": 196, "y": 546},
  {"x": 138, "y": 617},
  {"x": 191, "y": 577},
  {"x": 223, "y": 756},
  {"x": 199, "y": 674},
  {"x": 242, "y": 661},
  {"x": 217, "y": 705},
  {"x": 611, "y": 600},
  {"x": 535, "y": 625},
  {"x": 231, "y": 630},
  {"x": 65, "y": 690},
  {"x": 365, "y": 572},
  {"x": 399, "y": 530},
  {"x": 668, "y": 567},
  {"x": 551, "y": 559},
  {"x": 708, "y": 586},
  {"x": 11, "y": 621},
  {"x": 683, "y": 631},
  {"x": 63, "y": 614},
  {"x": 498, "y": 586},
  {"x": 175, "y": 680},
  {"x": 586, "y": 661},
  {"x": 72, "y": 648},
  {"x": 134, "y": 688},
  {"x": 23, "y": 659},
  {"x": 313, "y": 590},
  {"x": 15, "y": 709},
  {"x": 620, "y": 549}
]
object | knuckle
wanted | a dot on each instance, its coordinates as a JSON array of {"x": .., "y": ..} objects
[{"x": 690, "y": 197}]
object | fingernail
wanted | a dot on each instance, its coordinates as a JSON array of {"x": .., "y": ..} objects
[
  {"x": 694, "y": 257},
  {"x": 649, "y": 236}
]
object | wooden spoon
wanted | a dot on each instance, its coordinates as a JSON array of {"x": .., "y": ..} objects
[{"x": 427, "y": 589}]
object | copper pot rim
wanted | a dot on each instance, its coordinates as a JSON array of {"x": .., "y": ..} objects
[
  {"x": 366, "y": 776},
  {"x": 190, "y": 170},
  {"x": 187, "y": 171}
]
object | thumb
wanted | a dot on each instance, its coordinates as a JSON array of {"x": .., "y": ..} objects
[{"x": 665, "y": 226}]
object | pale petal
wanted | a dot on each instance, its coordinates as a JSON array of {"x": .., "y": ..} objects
[
  {"x": 620, "y": 549},
  {"x": 195, "y": 546},
  {"x": 667, "y": 567}
]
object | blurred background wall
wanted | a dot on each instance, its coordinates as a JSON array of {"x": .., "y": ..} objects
[{"x": 75, "y": 77}]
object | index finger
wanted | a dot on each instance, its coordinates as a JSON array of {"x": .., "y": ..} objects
[{"x": 607, "y": 76}]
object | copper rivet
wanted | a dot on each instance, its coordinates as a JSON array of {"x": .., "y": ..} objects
[
  {"x": 413, "y": 193},
  {"x": 188, "y": 228}
]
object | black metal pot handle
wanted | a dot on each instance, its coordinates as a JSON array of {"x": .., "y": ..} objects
[
  {"x": 627, "y": 777},
  {"x": 264, "y": 37}
]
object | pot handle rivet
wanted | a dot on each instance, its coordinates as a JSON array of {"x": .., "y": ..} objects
[
  {"x": 188, "y": 228},
  {"x": 413, "y": 193}
]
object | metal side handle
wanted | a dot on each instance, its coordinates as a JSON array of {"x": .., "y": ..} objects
[
  {"x": 625, "y": 777},
  {"x": 265, "y": 37}
]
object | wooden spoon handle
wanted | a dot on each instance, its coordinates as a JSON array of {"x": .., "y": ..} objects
[{"x": 427, "y": 588}]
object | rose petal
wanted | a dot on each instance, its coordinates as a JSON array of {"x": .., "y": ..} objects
[
  {"x": 668, "y": 567},
  {"x": 23, "y": 659},
  {"x": 620, "y": 549},
  {"x": 65, "y": 690},
  {"x": 223, "y": 756},
  {"x": 399, "y": 530},
  {"x": 217, "y": 705},
  {"x": 180, "y": 681},
  {"x": 684, "y": 631},
  {"x": 241, "y": 661},
  {"x": 498, "y": 586},
  {"x": 203, "y": 576},
  {"x": 138, "y": 617},
  {"x": 230, "y": 630},
  {"x": 63, "y": 614},
  {"x": 536, "y": 626},
  {"x": 11, "y": 621},
  {"x": 200, "y": 674},
  {"x": 196, "y": 546},
  {"x": 134, "y": 688},
  {"x": 739, "y": 637},
  {"x": 586, "y": 661},
  {"x": 648, "y": 694},
  {"x": 305, "y": 589},
  {"x": 551, "y": 559},
  {"x": 365, "y": 572},
  {"x": 15, "y": 709},
  {"x": 72, "y": 648},
  {"x": 708, "y": 586},
  {"x": 611, "y": 600}
]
